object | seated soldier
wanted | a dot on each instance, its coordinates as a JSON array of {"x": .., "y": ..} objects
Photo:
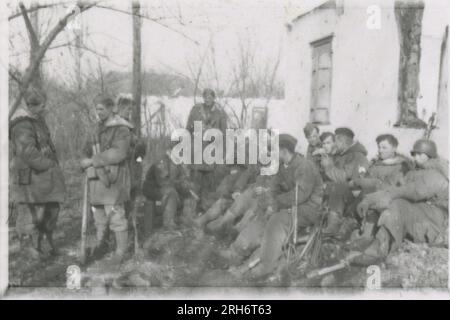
[
  {"x": 168, "y": 186},
  {"x": 418, "y": 209},
  {"x": 244, "y": 198},
  {"x": 223, "y": 196},
  {"x": 388, "y": 169},
  {"x": 296, "y": 172},
  {"x": 327, "y": 149},
  {"x": 349, "y": 163},
  {"x": 251, "y": 207},
  {"x": 312, "y": 134}
]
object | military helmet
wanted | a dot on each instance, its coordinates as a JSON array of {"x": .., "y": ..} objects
[{"x": 425, "y": 146}]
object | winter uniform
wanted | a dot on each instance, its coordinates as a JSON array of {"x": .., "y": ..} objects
[
  {"x": 223, "y": 195},
  {"x": 309, "y": 199},
  {"x": 109, "y": 183},
  {"x": 419, "y": 208},
  {"x": 340, "y": 170},
  {"x": 37, "y": 182},
  {"x": 205, "y": 175},
  {"x": 167, "y": 183},
  {"x": 313, "y": 158}
]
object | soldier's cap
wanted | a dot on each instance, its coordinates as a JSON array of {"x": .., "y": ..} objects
[
  {"x": 309, "y": 128},
  {"x": 35, "y": 96},
  {"x": 287, "y": 141},
  {"x": 344, "y": 132},
  {"x": 124, "y": 101},
  {"x": 208, "y": 91},
  {"x": 104, "y": 99}
]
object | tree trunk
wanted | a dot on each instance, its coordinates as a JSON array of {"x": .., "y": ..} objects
[
  {"x": 408, "y": 15},
  {"x": 137, "y": 81}
]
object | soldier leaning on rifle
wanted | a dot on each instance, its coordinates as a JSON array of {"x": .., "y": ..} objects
[
  {"x": 38, "y": 183},
  {"x": 349, "y": 162},
  {"x": 211, "y": 115},
  {"x": 108, "y": 169},
  {"x": 168, "y": 185},
  {"x": 388, "y": 169},
  {"x": 418, "y": 209}
]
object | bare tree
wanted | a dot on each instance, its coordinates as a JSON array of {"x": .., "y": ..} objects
[
  {"x": 39, "y": 49},
  {"x": 137, "y": 56}
]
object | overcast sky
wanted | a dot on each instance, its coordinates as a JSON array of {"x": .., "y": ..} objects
[{"x": 257, "y": 23}]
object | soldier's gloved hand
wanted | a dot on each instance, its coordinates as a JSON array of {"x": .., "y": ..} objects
[
  {"x": 86, "y": 163},
  {"x": 270, "y": 210},
  {"x": 362, "y": 208}
]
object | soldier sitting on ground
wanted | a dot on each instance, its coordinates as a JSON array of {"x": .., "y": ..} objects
[
  {"x": 418, "y": 209},
  {"x": 388, "y": 169},
  {"x": 312, "y": 134},
  {"x": 349, "y": 163},
  {"x": 167, "y": 187},
  {"x": 244, "y": 198},
  {"x": 298, "y": 182},
  {"x": 250, "y": 207},
  {"x": 230, "y": 184}
]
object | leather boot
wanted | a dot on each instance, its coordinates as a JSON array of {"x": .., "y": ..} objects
[
  {"x": 100, "y": 247},
  {"x": 334, "y": 222},
  {"x": 377, "y": 251},
  {"x": 53, "y": 250},
  {"x": 121, "y": 247},
  {"x": 170, "y": 211},
  {"x": 34, "y": 247}
]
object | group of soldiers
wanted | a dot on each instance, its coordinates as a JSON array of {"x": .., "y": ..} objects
[{"x": 391, "y": 197}]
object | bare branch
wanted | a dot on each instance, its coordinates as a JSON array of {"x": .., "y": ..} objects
[
  {"x": 40, "y": 54},
  {"x": 31, "y": 32},
  {"x": 153, "y": 20},
  {"x": 34, "y": 8}
]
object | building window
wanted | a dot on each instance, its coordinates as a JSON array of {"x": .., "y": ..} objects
[{"x": 321, "y": 80}]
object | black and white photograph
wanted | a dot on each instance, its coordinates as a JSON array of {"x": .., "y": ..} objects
[{"x": 224, "y": 149}]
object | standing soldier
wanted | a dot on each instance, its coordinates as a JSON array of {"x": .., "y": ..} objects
[
  {"x": 137, "y": 152},
  {"x": 418, "y": 209},
  {"x": 211, "y": 115},
  {"x": 109, "y": 173},
  {"x": 38, "y": 183}
]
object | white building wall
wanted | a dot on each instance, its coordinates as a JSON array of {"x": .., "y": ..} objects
[{"x": 365, "y": 71}]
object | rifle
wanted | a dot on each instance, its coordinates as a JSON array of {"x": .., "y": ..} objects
[
  {"x": 430, "y": 126},
  {"x": 344, "y": 263},
  {"x": 84, "y": 218},
  {"x": 295, "y": 213}
]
